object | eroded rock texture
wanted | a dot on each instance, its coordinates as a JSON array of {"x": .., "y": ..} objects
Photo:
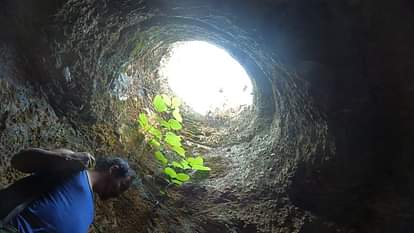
[{"x": 325, "y": 148}]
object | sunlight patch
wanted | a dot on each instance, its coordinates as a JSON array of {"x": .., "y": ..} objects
[{"x": 206, "y": 78}]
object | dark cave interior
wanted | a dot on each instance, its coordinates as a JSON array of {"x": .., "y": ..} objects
[{"x": 325, "y": 148}]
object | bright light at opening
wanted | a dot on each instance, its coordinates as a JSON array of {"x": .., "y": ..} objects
[{"x": 206, "y": 77}]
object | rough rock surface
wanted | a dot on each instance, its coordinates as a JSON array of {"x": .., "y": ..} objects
[{"x": 325, "y": 148}]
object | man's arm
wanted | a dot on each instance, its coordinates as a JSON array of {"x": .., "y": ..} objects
[{"x": 36, "y": 160}]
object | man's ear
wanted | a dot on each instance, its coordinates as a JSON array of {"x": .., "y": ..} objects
[{"x": 113, "y": 170}]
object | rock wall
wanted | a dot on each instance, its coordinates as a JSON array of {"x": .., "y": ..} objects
[{"x": 324, "y": 149}]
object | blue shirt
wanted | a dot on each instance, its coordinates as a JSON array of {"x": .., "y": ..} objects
[{"x": 69, "y": 208}]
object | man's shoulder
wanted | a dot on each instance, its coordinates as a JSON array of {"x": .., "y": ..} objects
[{"x": 78, "y": 181}]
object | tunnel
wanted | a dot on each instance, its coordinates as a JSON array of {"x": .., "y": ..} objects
[{"x": 324, "y": 146}]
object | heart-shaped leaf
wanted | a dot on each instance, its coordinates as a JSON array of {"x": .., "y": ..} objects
[
  {"x": 172, "y": 139},
  {"x": 159, "y": 104},
  {"x": 179, "y": 150},
  {"x": 160, "y": 157},
  {"x": 200, "y": 168},
  {"x": 196, "y": 161},
  {"x": 174, "y": 124},
  {"x": 165, "y": 124},
  {"x": 175, "y": 102},
  {"x": 155, "y": 132},
  {"x": 154, "y": 143},
  {"x": 182, "y": 177},
  {"x": 143, "y": 120},
  {"x": 167, "y": 99},
  {"x": 170, "y": 172},
  {"x": 178, "y": 165},
  {"x": 176, "y": 114},
  {"x": 185, "y": 164}
]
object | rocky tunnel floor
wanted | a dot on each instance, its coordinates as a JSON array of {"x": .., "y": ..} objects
[{"x": 325, "y": 146}]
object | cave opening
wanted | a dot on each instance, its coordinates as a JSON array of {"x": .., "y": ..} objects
[{"x": 206, "y": 78}]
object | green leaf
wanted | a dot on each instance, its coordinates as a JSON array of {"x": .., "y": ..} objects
[
  {"x": 175, "y": 164},
  {"x": 176, "y": 102},
  {"x": 167, "y": 99},
  {"x": 175, "y": 125},
  {"x": 196, "y": 161},
  {"x": 177, "y": 182},
  {"x": 172, "y": 139},
  {"x": 143, "y": 120},
  {"x": 165, "y": 124},
  {"x": 159, "y": 104},
  {"x": 182, "y": 177},
  {"x": 176, "y": 114},
  {"x": 179, "y": 150},
  {"x": 185, "y": 165},
  {"x": 160, "y": 157},
  {"x": 200, "y": 168},
  {"x": 154, "y": 143},
  {"x": 155, "y": 132},
  {"x": 170, "y": 172}
]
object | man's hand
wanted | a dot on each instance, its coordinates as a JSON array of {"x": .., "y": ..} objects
[{"x": 86, "y": 158}]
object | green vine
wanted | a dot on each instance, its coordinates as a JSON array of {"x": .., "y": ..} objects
[{"x": 161, "y": 130}]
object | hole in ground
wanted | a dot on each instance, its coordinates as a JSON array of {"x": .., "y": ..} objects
[{"x": 206, "y": 78}]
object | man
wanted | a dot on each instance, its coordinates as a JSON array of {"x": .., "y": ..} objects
[{"x": 58, "y": 196}]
